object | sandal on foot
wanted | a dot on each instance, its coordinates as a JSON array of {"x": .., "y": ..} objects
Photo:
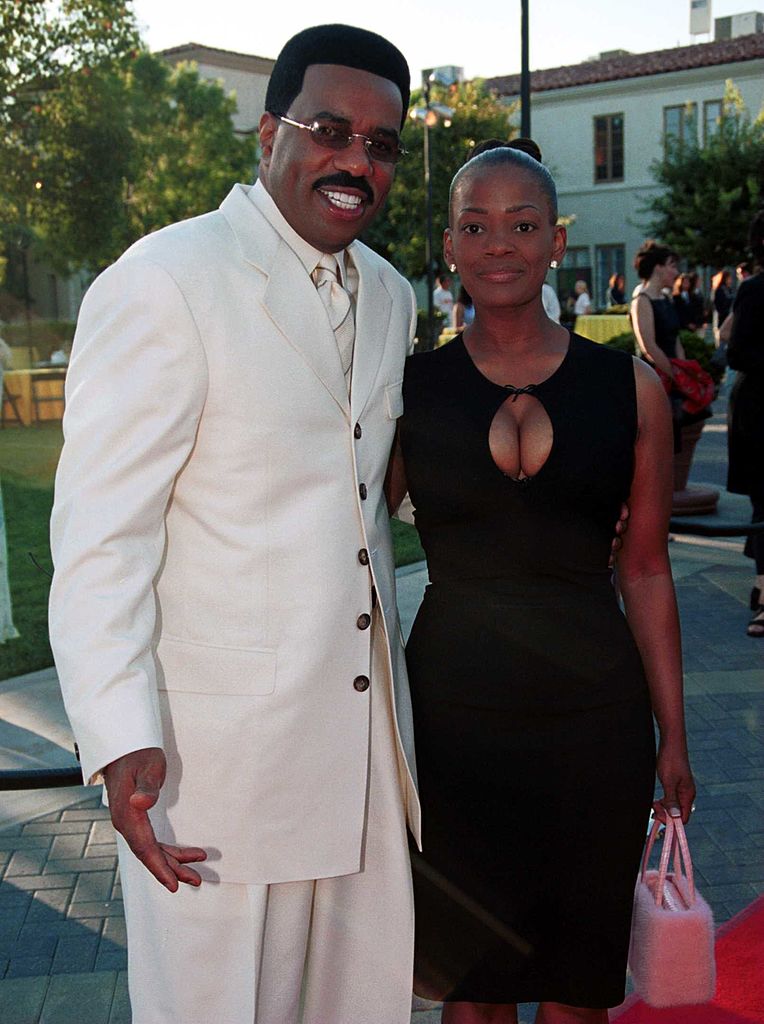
[{"x": 756, "y": 625}]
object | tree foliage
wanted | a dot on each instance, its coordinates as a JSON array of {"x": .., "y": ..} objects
[
  {"x": 41, "y": 44},
  {"x": 711, "y": 190},
  {"x": 125, "y": 152},
  {"x": 101, "y": 142},
  {"x": 399, "y": 231}
]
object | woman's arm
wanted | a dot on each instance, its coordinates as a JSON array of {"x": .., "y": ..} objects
[
  {"x": 644, "y": 575},
  {"x": 725, "y": 329},
  {"x": 396, "y": 487},
  {"x": 643, "y": 320}
]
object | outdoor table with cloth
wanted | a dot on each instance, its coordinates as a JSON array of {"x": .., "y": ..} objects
[{"x": 604, "y": 327}]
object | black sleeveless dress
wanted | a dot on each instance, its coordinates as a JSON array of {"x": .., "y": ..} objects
[{"x": 535, "y": 743}]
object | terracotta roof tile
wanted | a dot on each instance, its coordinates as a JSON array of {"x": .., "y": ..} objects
[{"x": 636, "y": 65}]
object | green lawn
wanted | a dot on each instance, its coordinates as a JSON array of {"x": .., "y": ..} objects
[{"x": 28, "y": 458}]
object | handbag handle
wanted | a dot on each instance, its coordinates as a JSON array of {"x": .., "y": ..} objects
[{"x": 674, "y": 841}]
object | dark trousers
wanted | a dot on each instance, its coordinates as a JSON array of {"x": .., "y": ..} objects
[{"x": 754, "y": 545}]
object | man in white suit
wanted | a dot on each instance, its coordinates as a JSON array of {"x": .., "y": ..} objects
[{"x": 223, "y": 608}]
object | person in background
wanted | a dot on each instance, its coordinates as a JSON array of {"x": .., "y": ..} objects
[
  {"x": 583, "y": 304},
  {"x": 7, "y": 629},
  {"x": 745, "y": 436},
  {"x": 685, "y": 308},
  {"x": 743, "y": 271},
  {"x": 550, "y": 302},
  {"x": 697, "y": 303},
  {"x": 653, "y": 313},
  {"x": 443, "y": 297},
  {"x": 616, "y": 294},
  {"x": 721, "y": 297},
  {"x": 464, "y": 311},
  {"x": 654, "y": 316}
]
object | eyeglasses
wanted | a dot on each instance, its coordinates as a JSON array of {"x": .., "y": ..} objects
[{"x": 331, "y": 136}]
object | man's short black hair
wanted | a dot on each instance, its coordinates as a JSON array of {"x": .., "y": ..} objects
[{"x": 345, "y": 45}]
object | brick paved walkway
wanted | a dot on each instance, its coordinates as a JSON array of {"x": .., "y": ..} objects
[
  {"x": 62, "y": 935},
  {"x": 61, "y": 918}
]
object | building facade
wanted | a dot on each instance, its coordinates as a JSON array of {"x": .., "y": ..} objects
[
  {"x": 243, "y": 74},
  {"x": 602, "y": 124}
]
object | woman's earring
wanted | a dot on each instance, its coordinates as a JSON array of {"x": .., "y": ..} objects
[
  {"x": 554, "y": 264},
  {"x": 452, "y": 267}
]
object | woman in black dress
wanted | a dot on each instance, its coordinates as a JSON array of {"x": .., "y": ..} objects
[
  {"x": 745, "y": 437},
  {"x": 653, "y": 314},
  {"x": 656, "y": 325},
  {"x": 535, "y": 743}
]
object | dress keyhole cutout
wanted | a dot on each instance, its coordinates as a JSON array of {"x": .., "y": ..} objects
[{"x": 520, "y": 437}]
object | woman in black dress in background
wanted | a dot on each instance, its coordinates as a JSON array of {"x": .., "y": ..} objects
[
  {"x": 535, "y": 742},
  {"x": 745, "y": 437}
]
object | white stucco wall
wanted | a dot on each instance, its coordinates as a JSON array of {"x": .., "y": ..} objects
[
  {"x": 609, "y": 213},
  {"x": 249, "y": 88}
]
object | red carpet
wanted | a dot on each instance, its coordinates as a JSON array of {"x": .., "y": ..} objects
[{"x": 739, "y": 995}]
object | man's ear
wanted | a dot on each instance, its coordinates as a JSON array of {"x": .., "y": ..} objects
[{"x": 268, "y": 125}]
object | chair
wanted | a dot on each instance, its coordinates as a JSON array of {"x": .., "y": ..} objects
[
  {"x": 9, "y": 399},
  {"x": 42, "y": 393}
]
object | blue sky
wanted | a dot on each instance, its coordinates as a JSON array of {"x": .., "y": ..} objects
[{"x": 482, "y": 36}]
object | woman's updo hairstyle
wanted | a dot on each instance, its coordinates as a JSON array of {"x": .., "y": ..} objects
[
  {"x": 651, "y": 255},
  {"x": 508, "y": 156}
]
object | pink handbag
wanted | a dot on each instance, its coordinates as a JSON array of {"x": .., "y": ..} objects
[{"x": 671, "y": 955}]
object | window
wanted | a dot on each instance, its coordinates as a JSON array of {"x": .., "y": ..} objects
[
  {"x": 608, "y": 148},
  {"x": 678, "y": 122},
  {"x": 712, "y": 112},
  {"x": 609, "y": 260}
]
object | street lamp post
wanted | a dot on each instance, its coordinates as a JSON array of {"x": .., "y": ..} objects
[
  {"x": 525, "y": 74},
  {"x": 429, "y": 115},
  {"x": 428, "y": 214}
]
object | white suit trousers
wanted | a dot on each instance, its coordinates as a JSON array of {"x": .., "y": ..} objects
[{"x": 321, "y": 951}]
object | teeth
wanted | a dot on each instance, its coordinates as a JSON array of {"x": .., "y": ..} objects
[{"x": 343, "y": 200}]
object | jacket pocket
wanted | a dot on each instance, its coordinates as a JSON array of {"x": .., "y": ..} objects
[
  {"x": 189, "y": 667},
  {"x": 394, "y": 399}
]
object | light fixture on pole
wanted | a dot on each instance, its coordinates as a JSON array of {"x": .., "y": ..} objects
[
  {"x": 525, "y": 74},
  {"x": 430, "y": 115}
]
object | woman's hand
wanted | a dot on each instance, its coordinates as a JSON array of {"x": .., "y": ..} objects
[{"x": 678, "y": 784}]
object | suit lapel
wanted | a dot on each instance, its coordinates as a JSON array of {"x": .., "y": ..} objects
[
  {"x": 373, "y": 308},
  {"x": 289, "y": 297}
]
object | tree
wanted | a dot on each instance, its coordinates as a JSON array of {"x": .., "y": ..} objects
[
  {"x": 124, "y": 152},
  {"x": 42, "y": 43},
  {"x": 399, "y": 232},
  {"x": 101, "y": 141},
  {"x": 711, "y": 190}
]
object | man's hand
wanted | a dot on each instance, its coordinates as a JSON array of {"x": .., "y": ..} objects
[
  {"x": 133, "y": 783},
  {"x": 620, "y": 529}
]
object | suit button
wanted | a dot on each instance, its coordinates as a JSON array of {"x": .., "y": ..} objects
[
  {"x": 362, "y": 491},
  {"x": 361, "y": 683},
  {"x": 363, "y": 621},
  {"x": 363, "y": 556},
  {"x": 357, "y": 431}
]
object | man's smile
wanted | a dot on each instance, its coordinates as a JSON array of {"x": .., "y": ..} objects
[{"x": 343, "y": 200}]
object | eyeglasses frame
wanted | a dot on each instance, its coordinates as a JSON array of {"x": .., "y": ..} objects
[{"x": 399, "y": 152}]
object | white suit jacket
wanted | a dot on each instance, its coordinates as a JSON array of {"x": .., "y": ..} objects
[{"x": 219, "y": 528}]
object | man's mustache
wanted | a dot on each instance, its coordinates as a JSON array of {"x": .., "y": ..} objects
[{"x": 344, "y": 180}]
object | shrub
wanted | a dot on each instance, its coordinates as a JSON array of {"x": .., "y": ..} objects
[
  {"x": 625, "y": 342},
  {"x": 699, "y": 349}
]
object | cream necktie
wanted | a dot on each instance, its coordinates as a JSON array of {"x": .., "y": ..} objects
[{"x": 338, "y": 306}]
